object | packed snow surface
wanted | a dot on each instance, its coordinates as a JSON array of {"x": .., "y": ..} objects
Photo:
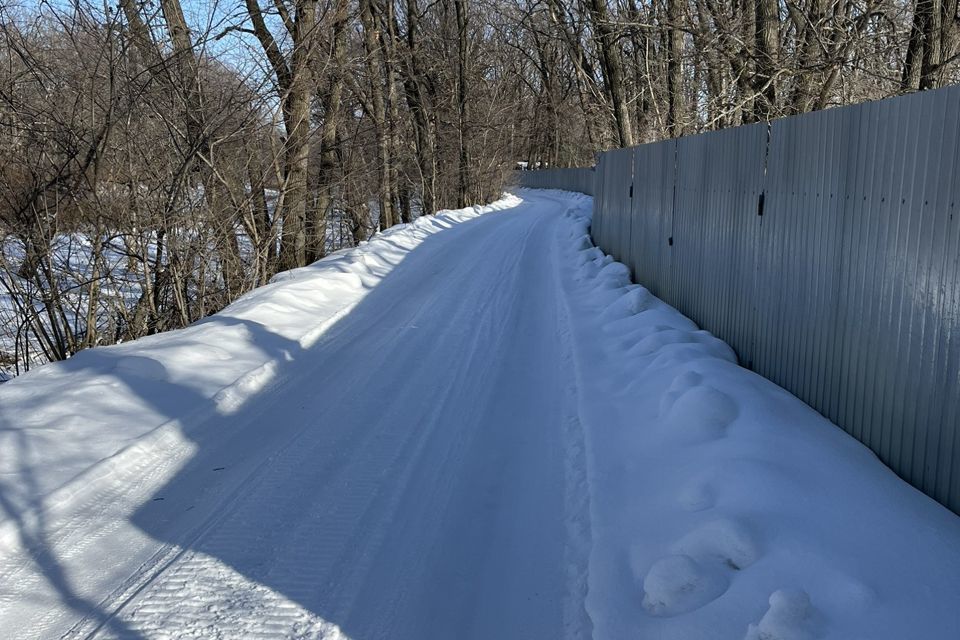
[{"x": 473, "y": 426}]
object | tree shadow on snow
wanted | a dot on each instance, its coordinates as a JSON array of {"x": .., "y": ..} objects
[{"x": 210, "y": 508}]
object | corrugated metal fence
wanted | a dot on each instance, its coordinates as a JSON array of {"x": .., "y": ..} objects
[
  {"x": 567, "y": 179},
  {"x": 824, "y": 249}
]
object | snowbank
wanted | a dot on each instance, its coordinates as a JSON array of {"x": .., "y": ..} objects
[
  {"x": 77, "y": 434},
  {"x": 724, "y": 507}
]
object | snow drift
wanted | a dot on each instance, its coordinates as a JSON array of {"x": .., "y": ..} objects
[{"x": 723, "y": 506}]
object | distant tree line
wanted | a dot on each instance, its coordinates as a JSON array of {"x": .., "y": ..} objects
[
  {"x": 159, "y": 159},
  {"x": 628, "y": 72}
]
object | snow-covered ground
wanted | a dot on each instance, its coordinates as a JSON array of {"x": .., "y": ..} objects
[
  {"x": 472, "y": 426},
  {"x": 120, "y": 281}
]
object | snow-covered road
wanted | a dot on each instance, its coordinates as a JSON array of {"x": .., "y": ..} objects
[
  {"x": 470, "y": 427},
  {"x": 407, "y": 479},
  {"x": 403, "y": 477}
]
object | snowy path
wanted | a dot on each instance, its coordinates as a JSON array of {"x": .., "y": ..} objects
[
  {"x": 473, "y": 426},
  {"x": 406, "y": 480},
  {"x": 421, "y": 492}
]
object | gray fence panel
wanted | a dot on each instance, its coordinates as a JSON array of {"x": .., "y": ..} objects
[
  {"x": 691, "y": 226},
  {"x": 949, "y": 344},
  {"x": 598, "y": 224},
  {"x": 585, "y": 182},
  {"x": 845, "y": 291},
  {"x": 568, "y": 179},
  {"x": 715, "y": 227},
  {"x": 861, "y": 244},
  {"x": 654, "y": 168},
  {"x": 929, "y": 207},
  {"x": 616, "y": 170},
  {"x": 800, "y": 255}
]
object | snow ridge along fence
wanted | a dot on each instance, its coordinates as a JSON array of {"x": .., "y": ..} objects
[{"x": 825, "y": 249}]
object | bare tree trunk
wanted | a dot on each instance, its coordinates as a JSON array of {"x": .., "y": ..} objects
[
  {"x": 463, "y": 173},
  {"x": 612, "y": 66},
  {"x": 933, "y": 42},
  {"x": 184, "y": 80},
  {"x": 767, "y": 49},
  {"x": 295, "y": 87},
  {"x": 675, "y": 69},
  {"x": 260, "y": 232},
  {"x": 808, "y": 24},
  {"x": 708, "y": 52},
  {"x": 317, "y": 223},
  {"x": 416, "y": 96},
  {"x": 388, "y": 50},
  {"x": 585, "y": 75},
  {"x": 738, "y": 44},
  {"x": 372, "y": 49},
  {"x": 297, "y": 117},
  {"x": 403, "y": 200}
]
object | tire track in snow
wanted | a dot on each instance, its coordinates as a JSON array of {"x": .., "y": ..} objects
[
  {"x": 170, "y": 553},
  {"x": 453, "y": 455},
  {"x": 577, "y": 621},
  {"x": 485, "y": 328},
  {"x": 226, "y": 533}
]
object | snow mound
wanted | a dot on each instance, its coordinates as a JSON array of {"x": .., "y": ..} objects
[
  {"x": 726, "y": 540},
  {"x": 701, "y": 413},
  {"x": 678, "y": 584},
  {"x": 715, "y": 487},
  {"x": 790, "y": 617}
]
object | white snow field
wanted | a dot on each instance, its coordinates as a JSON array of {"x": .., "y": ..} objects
[{"x": 472, "y": 426}]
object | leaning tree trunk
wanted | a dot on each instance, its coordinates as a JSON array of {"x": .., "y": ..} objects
[{"x": 295, "y": 87}]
